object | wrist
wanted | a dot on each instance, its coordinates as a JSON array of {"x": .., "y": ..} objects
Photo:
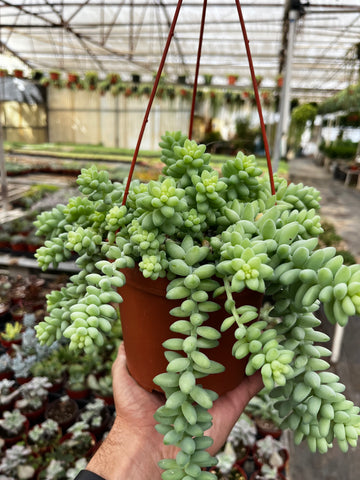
[{"x": 126, "y": 454}]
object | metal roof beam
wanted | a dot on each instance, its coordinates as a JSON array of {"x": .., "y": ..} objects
[
  {"x": 143, "y": 4},
  {"x": 179, "y": 49},
  {"x": 80, "y": 37},
  {"x": 15, "y": 54},
  {"x": 112, "y": 24},
  {"x": 68, "y": 20}
]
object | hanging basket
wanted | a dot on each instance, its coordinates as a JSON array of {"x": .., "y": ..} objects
[
  {"x": 145, "y": 310},
  {"x": 146, "y": 325},
  {"x": 18, "y": 73},
  {"x": 54, "y": 76},
  {"x": 232, "y": 79}
]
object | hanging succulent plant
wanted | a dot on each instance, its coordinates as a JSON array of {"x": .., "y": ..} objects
[{"x": 210, "y": 236}]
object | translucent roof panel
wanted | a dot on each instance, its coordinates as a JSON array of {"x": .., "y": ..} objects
[{"x": 128, "y": 36}]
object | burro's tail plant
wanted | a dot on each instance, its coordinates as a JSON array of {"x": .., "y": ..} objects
[{"x": 210, "y": 234}]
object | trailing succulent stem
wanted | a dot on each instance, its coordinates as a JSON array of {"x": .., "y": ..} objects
[{"x": 210, "y": 235}]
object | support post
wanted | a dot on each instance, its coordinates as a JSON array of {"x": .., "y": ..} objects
[
  {"x": 4, "y": 186},
  {"x": 284, "y": 107},
  {"x": 337, "y": 342}
]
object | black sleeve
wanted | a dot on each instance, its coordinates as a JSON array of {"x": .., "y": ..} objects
[{"x": 87, "y": 475}]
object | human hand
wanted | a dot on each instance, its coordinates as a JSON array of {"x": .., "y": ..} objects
[{"x": 133, "y": 447}]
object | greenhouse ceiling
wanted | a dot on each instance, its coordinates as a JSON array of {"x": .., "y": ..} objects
[{"x": 128, "y": 36}]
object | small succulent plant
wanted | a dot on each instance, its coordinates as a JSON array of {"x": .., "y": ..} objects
[
  {"x": 102, "y": 386},
  {"x": 15, "y": 463},
  {"x": 29, "y": 342},
  {"x": 210, "y": 234},
  {"x": 261, "y": 407},
  {"x": 268, "y": 472},
  {"x": 7, "y": 391},
  {"x": 12, "y": 331},
  {"x": 51, "y": 367},
  {"x": 226, "y": 458},
  {"x": 55, "y": 470},
  {"x": 21, "y": 364},
  {"x": 92, "y": 413},
  {"x": 79, "y": 443},
  {"x": 268, "y": 451},
  {"x": 44, "y": 434},
  {"x": 79, "y": 465},
  {"x": 13, "y": 422},
  {"x": 5, "y": 362},
  {"x": 243, "y": 432},
  {"x": 33, "y": 394},
  {"x": 77, "y": 377}
]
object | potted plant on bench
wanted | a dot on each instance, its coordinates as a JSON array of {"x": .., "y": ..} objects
[{"x": 13, "y": 426}]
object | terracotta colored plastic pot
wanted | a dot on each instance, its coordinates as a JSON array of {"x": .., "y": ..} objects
[
  {"x": 7, "y": 344},
  {"x": 35, "y": 416},
  {"x": 22, "y": 380},
  {"x": 108, "y": 399},
  {"x": 8, "y": 374},
  {"x": 239, "y": 471},
  {"x": 78, "y": 394},
  {"x": 146, "y": 325},
  {"x": 17, "y": 313},
  {"x": 72, "y": 78},
  {"x": 232, "y": 79}
]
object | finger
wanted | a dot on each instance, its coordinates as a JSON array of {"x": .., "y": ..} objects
[
  {"x": 120, "y": 361},
  {"x": 239, "y": 397},
  {"x": 228, "y": 408},
  {"x": 254, "y": 385}
]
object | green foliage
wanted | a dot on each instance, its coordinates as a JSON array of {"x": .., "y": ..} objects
[
  {"x": 303, "y": 113},
  {"x": 300, "y": 115},
  {"x": 329, "y": 237},
  {"x": 211, "y": 137},
  {"x": 210, "y": 235},
  {"x": 245, "y": 136},
  {"x": 344, "y": 149},
  {"x": 262, "y": 406},
  {"x": 352, "y": 119},
  {"x": 34, "y": 194},
  {"x": 346, "y": 100},
  {"x": 12, "y": 331},
  {"x": 348, "y": 257}
]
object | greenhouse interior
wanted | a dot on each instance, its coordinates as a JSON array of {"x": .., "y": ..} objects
[{"x": 179, "y": 239}]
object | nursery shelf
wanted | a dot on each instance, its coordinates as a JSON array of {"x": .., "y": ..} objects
[
  {"x": 9, "y": 215},
  {"x": 30, "y": 263}
]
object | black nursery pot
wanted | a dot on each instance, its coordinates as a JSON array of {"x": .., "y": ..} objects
[{"x": 64, "y": 412}]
